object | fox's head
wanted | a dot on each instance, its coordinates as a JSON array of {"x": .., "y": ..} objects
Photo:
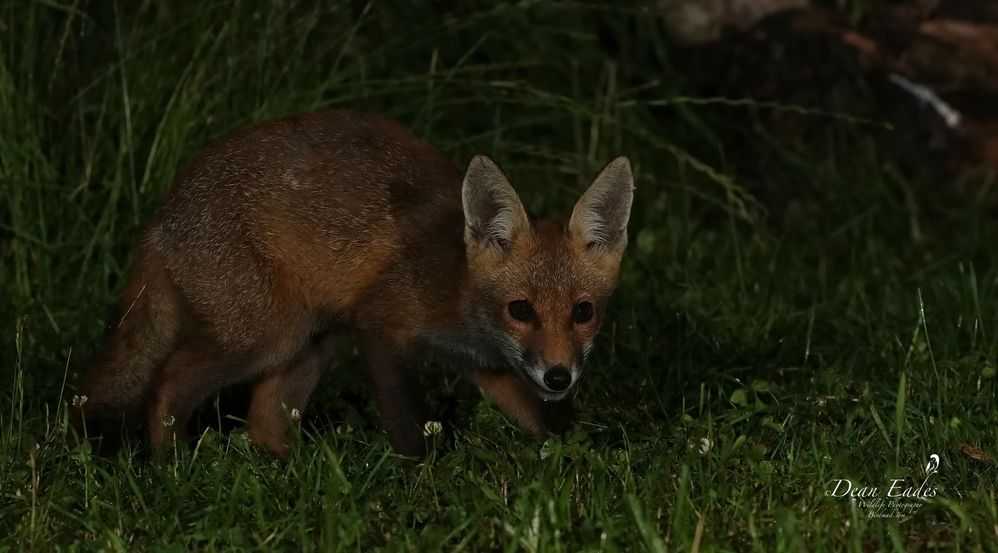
[{"x": 542, "y": 287}]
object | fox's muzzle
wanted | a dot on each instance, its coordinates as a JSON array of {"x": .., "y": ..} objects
[{"x": 558, "y": 378}]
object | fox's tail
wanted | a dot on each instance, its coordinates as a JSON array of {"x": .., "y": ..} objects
[{"x": 139, "y": 340}]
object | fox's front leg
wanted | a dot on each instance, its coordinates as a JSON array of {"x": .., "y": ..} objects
[
  {"x": 558, "y": 416},
  {"x": 515, "y": 398},
  {"x": 399, "y": 396}
]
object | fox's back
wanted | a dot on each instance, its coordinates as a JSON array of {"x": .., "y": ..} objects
[{"x": 318, "y": 205}]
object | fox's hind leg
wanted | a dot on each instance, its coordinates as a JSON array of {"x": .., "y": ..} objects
[
  {"x": 200, "y": 367},
  {"x": 282, "y": 392},
  {"x": 191, "y": 373},
  {"x": 223, "y": 352},
  {"x": 139, "y": 341},
  {"x": 244, "y": 323}
]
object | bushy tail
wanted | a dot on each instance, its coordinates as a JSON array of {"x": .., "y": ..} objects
[{"x": 139, "y": 340}]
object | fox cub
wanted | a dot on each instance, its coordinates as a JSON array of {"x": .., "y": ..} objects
[{"x": 288, "y": 230}]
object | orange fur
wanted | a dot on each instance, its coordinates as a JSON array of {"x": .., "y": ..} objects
[{"x": 285, "y": 231}]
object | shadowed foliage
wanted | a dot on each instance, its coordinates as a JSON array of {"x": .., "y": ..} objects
[{"x": 790, "y": 312}]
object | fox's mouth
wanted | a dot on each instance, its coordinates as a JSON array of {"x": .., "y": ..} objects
[{"x": 552, "y": 396}]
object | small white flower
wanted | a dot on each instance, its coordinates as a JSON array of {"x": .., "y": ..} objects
[
  {"x": 545, "y": 451},
  {"x": 295, "y": 414},
  {"x": 705, "y": 446},
  {"x": 432, "y": 428},
  {"x": 344, "y": 429},
  {"x": 168, "y": 421},
  {"x": 79, "y": 401}
]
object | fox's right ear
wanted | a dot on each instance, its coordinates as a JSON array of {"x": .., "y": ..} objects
[{"x": 493, "y": 214}]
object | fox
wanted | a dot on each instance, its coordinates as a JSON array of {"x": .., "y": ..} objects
[{"x": 278, "y": 237}]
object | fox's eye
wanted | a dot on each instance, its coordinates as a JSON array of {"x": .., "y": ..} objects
[
  {"x": 521, "y": 310},
  {"x": 582, "y": 312}
]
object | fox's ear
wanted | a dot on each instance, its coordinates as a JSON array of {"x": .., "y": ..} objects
[
  {"x": 493, "y": 214},
  {"x": 599, "y": 220}
]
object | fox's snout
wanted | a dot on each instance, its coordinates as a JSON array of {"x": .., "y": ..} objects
[
  {"x": 554, "y": 381},
  {"x": 554, "y": 371},
  {"x": 558, "y": 378}
]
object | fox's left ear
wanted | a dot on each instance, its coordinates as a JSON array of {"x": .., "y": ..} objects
[{"x": 599, "y": 220}]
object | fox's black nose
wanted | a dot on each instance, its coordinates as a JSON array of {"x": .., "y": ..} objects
[{"x": 558, "y": 378}]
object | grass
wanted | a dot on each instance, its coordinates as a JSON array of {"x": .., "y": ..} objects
[{"x": 791, "y": 312}]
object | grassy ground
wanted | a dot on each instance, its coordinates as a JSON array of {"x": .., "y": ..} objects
[{"x": 790, "y": 312}]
